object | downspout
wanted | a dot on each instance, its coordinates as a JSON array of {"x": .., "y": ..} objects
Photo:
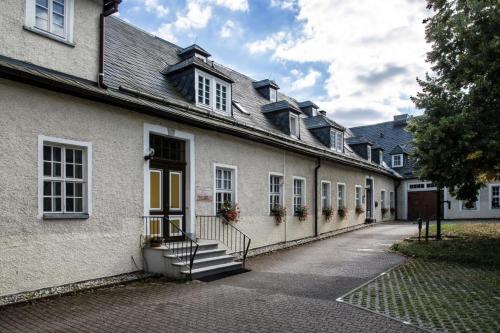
[
  {"x": 109, "y": 7},
  {"x": 396, "y": 199},
  {"x": 316, "y": 197}
]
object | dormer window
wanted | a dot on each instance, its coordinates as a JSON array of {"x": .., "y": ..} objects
[
  {"x": 212, "y": 93},
  {"x": 52, "y": 18},
  {"x": 380, "y": 157},
  {"x": 397, "y": 160},
  {"x": 273, "y": 95},
  {"x": 294, "y": 125},
  {"x": 369, "y": 153},
  {"x": 337, "y": 140}
]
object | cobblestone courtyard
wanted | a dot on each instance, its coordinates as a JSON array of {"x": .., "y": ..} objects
[
  {"x": 289, "y": 291},
  {"x": 447, "y": 297}
]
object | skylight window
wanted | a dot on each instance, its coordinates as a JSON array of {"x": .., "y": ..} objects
[{"x": 240, "y": 108}]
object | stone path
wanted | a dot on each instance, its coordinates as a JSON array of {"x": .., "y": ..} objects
[
  {"x": 436, "y": 295},
  {"x": 293, "y": 290}
]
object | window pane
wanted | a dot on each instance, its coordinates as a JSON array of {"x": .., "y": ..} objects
[
  {"x": 78, "y": 156},
  {"x": 58, "y": 30},
  {"x": 47, "y": 153},
  {"x": 57, "y": 170},
  {"x": 47, "y": 204},
  {"x": 78, "y": 205},
  {"x": 43, "y": 3},
  {"x": 69, "y": 155},
  {"x": 47, "y": 188},
  {"x": 57, "y": 205},
  {"x": 58, "y": 8},
  {"x": 47, "y": 169},
  {"x": 56, "y": 151},
  {"x": 70, "y": 189},
  {"x": 78, "y": 173},
  {"x": 57, "y": 188},
  {"x": 69, "y": 171},
  {"x": 79, "y": 190},
  {"x": 70, "y": 204}
]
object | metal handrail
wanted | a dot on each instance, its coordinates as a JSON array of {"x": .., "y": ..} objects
[
  {"x": 157, "y": 227},
  {"x": 214, "y": 227}
]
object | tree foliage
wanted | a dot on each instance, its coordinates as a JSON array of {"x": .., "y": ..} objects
[{"x": 457, "y": 140}]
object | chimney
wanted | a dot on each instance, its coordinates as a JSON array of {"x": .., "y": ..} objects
[
  {"x": 400, "y": 120},
  {"x": 194, "y": 50},
  {"x": 322, "y": 112},
  {"x": 268, "y": 89}
]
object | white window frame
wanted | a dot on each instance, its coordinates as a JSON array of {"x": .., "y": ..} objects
[
  {"x": 86, "y": 171},
  {"x": 380, "y": 157},
  {"x": 303, "y": 195},
  {"x": 491, "y": 196},
  {"x": 393, "y": 162},
  {"x": 328, "y": 196},
  {"x": 343, "y": 198},
  {"x": 281, "y": 189},
  {"x": 461, "y": 204},
  {"x": 422, "y": 186},
  {"x": 358, "y": 200},
  {"x": 234, "y": 180},
  {"x": 213, "y": 93},
  {"x": 369, "y": 153},
  {"x": 292, "y": 134},
  {"x": 273, "y": 95},
  {"x": 383, "y": 198},
  {"x": 30, "y": 20},
  {"x": 336, "y": 144}
]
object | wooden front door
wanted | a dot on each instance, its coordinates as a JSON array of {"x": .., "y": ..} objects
[
  {"x": 422, "y": 204},
  {"x": 168, "y": 183}
]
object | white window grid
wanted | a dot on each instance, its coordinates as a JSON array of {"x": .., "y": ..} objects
[
  {"x": 298, "y": 193},
  {"x": 224, "y": 187},
  {"x": 495, "y": 197},
  {"x": 325, "y": 195},
  {"x": 50, "y": 16},
  {"x": 358, "y": 195},
  {"x": 341, "y": 195},
  {"x": 336, "y": 140},
  {"x": 64, "y": 177},
  {"x": 397, "y": 160},
  {"x": 203, "y": 90},
  {"x": 275, "y": 191},
  {"x": 221, "y": 97}
]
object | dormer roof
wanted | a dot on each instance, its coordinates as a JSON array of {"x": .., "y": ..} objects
[
  {"x": 198, "y": 63},
  {"x": 401, "y": 149},
  {"x": 358, "y": 140},
  {"x": 280, "y": 106},
  {"x": 306, "y": 104},
  {"x": 193, "y": 50},
  {"x": 320, "y": 121},
  {"x": 265, "y": 83}
]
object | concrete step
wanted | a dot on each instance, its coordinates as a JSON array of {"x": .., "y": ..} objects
[
  {"x": 200, "y": 254},
  {"x": 180, "y": 247},
  {"x": 207, "y": 262},
  {"x": 212, "y": 270}
]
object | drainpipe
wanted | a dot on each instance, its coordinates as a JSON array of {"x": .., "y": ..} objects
[
  {"x": 316, "y": 197},
  {"x": 110, "y": 7},
  {"x": 396, "y": 199}
]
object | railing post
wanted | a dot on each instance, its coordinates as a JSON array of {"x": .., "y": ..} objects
[{"x": 165, "y": 221}]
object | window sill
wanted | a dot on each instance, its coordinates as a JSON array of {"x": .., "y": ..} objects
[
  {"x": 65, "y": 216},
  {"x": 49, "y": 35}
]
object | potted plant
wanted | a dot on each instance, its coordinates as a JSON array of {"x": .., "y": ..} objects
[
  {"x": 342, "y": 211},
  {"x": 155, "y": 241},
  {"x": 278, "y": 212},
  {"x": 230, "y": 212},
  {"x": 384, "y": 211},
  {"x": 328, "y": 213},
  {"x": 359, "y": 210},
  {"x": 393, "y": 210},
  {"x": 302, "y": 213}
]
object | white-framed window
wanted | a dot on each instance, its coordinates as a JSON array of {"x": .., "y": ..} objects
[
  {"x": 397, "y": 160},
  {"x": 299, "y": 193},
  {"x": 368, "y": 152},
  {"x": 392, "y": 203},
  {"x": 336, "y": 140},
  {"x": 64, "y": 177},
  {"x": 341, "y": 195},
  {"x": 273, "y": 95},
  {"x": 294, "y": 125},
  {"x": 326, "y": 194},
  {"x": 275, "y": 191},
  {"x": 225, "y": 181},
  {"x": 423, "y": 186},
  {"x": 212, "y": 93},
  {"x": 382, "y": 199},
  {"x": 475, "y": 205},
  {"x": 380, "y": 157},
  {"x": 495, "y": 196},
  {"x": 53, "y": 17},
  {"x": 358, "y": 190}
]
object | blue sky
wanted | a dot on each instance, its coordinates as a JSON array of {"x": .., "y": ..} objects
[{"x": 358, "y": 60}]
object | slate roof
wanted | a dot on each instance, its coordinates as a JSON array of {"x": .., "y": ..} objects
[
  {"x": 197, "y": 62},
  {"x": 393, "y": 138},
  {"x": 280, "y": 105},
  {"x": 321, "y": 121}
]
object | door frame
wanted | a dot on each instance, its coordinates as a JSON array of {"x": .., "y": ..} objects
[
  {"x": 372, "y": 199},
  {"x": 189, "y": 175}
]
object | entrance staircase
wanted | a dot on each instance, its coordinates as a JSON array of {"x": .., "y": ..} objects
[{"x": 219, "y": 248}]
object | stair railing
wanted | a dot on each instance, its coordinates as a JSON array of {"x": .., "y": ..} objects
[
  {"x": 159, "y": 229},
  {"x": 218, "y": 228}
]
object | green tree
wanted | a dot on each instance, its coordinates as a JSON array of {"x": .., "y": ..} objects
[{"x": 457, "y": 140}]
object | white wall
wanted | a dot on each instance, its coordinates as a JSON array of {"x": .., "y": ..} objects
[{"x": 483, "y": 211}]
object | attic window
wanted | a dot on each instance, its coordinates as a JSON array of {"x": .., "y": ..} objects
[
  {"x": 397, "y": 160},
  {"x": 369, "y": 153},
  {"x": 212, "y": 93},
  {"x": 380, "y": 157},
  {"x": 336, "y": 140},
  {"x": 294, "y": 126},
  {"x": 273, "y": 96}
]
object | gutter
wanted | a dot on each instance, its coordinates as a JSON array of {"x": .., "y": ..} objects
[
  {"x": 316, "y": 169},
  {"x": 109, "y": 7},
  {"x": 396, "y": 199}
]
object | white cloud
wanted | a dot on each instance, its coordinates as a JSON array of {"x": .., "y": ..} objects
[
  {"x": 235, "y": 5},
  {"x": 374, "y": 51},
  {"x": 228, "y": 29},
  {"x": 301, "y": 81},
  {"x": 155, "y": 7},
  {"x": 283, "y": 4},
  {"x": 195, "y": 16}
]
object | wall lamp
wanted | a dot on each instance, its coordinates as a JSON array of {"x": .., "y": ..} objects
[{"x": 150, "y": 154}]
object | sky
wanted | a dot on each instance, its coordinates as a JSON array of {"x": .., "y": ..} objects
[{"x": 358, "y": 60}]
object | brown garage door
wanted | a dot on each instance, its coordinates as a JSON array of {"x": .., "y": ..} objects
[{"x": 422, "y": 204}]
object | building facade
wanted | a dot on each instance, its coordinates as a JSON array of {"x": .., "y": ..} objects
[
  {"x": 418, "y": 198},
  {"x": 103, "y": 125}
]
